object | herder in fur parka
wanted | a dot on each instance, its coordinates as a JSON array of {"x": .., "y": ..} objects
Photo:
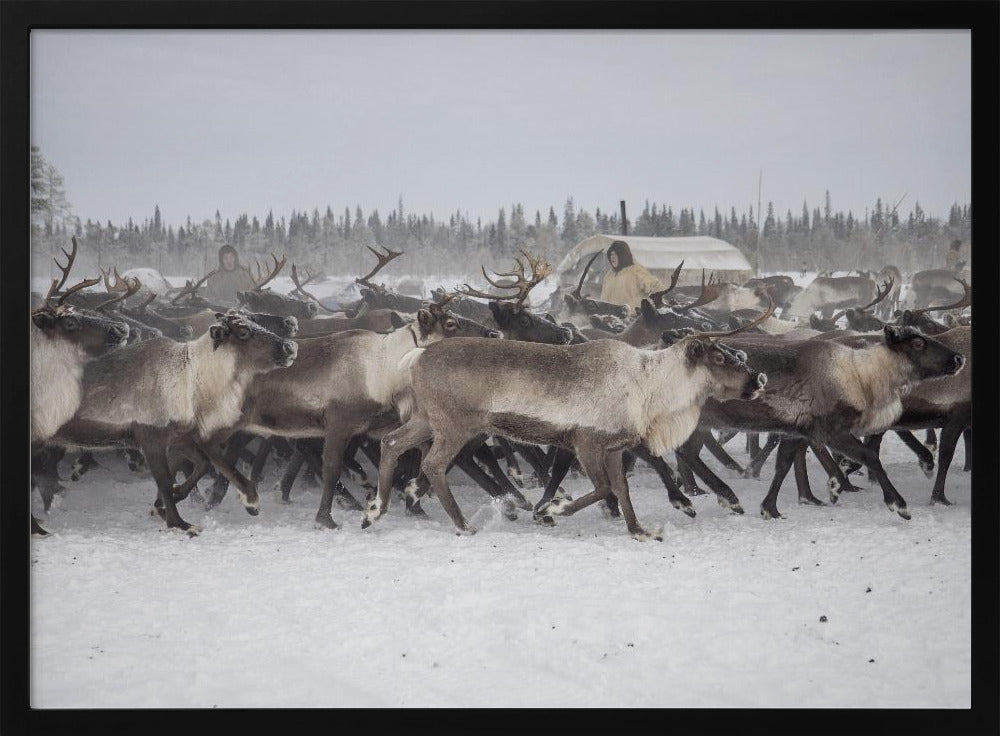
[
  {"x": 229, "y": 278},
  {"x": 627, "y": 282}
]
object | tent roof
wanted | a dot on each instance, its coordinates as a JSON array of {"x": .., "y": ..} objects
[{"x": 697, "y": 252}]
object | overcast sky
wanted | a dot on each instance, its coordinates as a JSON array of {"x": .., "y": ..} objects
[{"x": 246, "y": 121}]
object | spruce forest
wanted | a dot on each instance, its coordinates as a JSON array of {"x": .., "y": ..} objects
[{"x": 332, "y": 241}]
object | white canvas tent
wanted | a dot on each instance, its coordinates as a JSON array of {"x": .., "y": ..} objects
[{"x": 661, "y": 256}]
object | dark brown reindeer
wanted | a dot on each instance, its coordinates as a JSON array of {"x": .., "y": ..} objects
[
  {"x": 859, "y": 317},
  {"x": 156, "y": 393},
  {"x": 577, "y": 303},
  {"x": 825, "y": 393},
  {"x": 260, "y": 299},
  {"x": 485, "y": 394}
]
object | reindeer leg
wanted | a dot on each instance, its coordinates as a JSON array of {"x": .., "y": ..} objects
[
  {"x": 291, "y": 472},
  {"x": 257, "y": 469},
  {"x": 757, "y": 460},
  {"x": 753, "y": 444},
  {"x": 874, "y": 442},
  {"x": 83, "y": 463},
  {"x": 561, "y": 463},
  {"x": 802, "y": 476},
  {"x": 967, "y": 440},
  {"x": 245, "y": 488},
  {"x": 674, "y": 493},
  {"x": 953, "y": 429},
  {"x": 234, "y": 446},
  {"x": 313, "y": 451},
  {"x": 924, "y": 456},
  {"x": 687, "y": 477},
  {"x": 435, "y": 467},
  {"x": 619, "y": 486},
  {"x": 849, "y": 445},
  {"x": 536, "y": 459},
  {"x": 688, "y": 452},
  {"x": 713, "y": 446},
  {"x": 483, "y": 453},
  {"x": 591, "y": 457},
  {"x": 725, "y": 435},
  {"x": 513, "y": 468},
  {"x": 787, "y": 449},
  {"x": 334, "y": 444},
  {"x": 465, "y": 462},
  {"x": 837, "y": 481},
  {"x": 154, "y": 448},
  {"x": 415, "y": 432},
  {"x": 930, "y": 440}
]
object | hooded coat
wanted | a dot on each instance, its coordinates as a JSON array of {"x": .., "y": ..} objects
[
  {"x": 630, "y": 283},
  {"x": 222, "y": 286}
]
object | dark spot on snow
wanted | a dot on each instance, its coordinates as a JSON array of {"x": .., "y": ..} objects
[
  {"x": 822, "y": 619},
  {"x": 870, "y": 661},
  {"x": 630, "y": 644},
  {"x": 794, "y": 569},
  {"x": 868, "y": 589}
]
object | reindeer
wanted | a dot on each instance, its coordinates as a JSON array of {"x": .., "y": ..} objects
[
  {"x": 829, "y": 294},
  {"x": 935, "y": 284},
  {"x": 63, "y": 339},
  {"x": 633, "y": 396},
  {"x": 260, "y": 299},
  {"x": 825, "y": 392},
  {"x": 339, "y": 386},
  {"x": 577, "y": 303},
  {"x": 156, "y": 393}
]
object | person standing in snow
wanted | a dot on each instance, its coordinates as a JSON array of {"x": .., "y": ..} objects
[
  {"x": 229, "y": 278},
  {"x": 627, "y": 282}
]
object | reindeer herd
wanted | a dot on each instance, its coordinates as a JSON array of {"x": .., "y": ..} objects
[{"x": 476, "y": 378}]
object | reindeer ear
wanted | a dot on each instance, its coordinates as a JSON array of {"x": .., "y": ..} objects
[
  {"x": 495, "y": 308},
  {"x": 893, "y": 334},
  {"x": 425, "y": 318},
  {"x": 396, "y": 321},
  {"x": 814, "y": 322},
  {"x": 648, "y": 310},
  {"x": 43, "y": 320},
  {"x": 550, "y": 318}
]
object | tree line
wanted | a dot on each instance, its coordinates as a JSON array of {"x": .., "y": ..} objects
[{"x": 332, "y": 243}]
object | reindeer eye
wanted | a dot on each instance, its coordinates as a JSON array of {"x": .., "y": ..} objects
[
  {"x": 918, "y": 343},
  {"x": 525, "y": 320},
  {"x": 718, "y": 358},
  {"x": 71, "y": 323},
  {"x": 243, "y": 333},
  {"x": 451, "y": 325}
]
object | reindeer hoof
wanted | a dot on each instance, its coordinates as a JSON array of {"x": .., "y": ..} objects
[
  {"x": 941, "y": 500},
  {"x": 769, "y": 514},
  {"x": 189, "y": 530},
  {"x": 609, "y": 511},
  {"x": 644, "y": 536},
  {"x": 901, "y": 510},
  {"x": 810, "y": 501},
  {"x": 324, "y": 521},
  {"x": 736, "y": 508},
  {"x": 561, "y": 495},
  {"x": 928, "y": 469},
  {"x": 687, "y": 508},
  {"x": 466, "y": 531}
]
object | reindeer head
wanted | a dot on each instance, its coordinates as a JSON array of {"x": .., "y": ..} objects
[
  {"x": 730, "y": 376},
  {"x": 95, "y": 333},
  {"x": 930, "y": 358},
  {"x": 255, "y": 347},
  {"x": 435, "y": 321}
]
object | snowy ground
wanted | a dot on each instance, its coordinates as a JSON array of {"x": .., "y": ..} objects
[{"x": 725, "y": 612}]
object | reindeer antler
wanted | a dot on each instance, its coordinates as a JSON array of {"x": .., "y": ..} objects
[
  {"x": 709, "y": 292},
  {"x": 130, "y": 289},
  {"x": 300, "y": 284},
  {"x": 438, "y": 305},
  {"x": 749, "y": 326},
  {"x": 539, "y": 270},
  {"x": 120, "y": 284},
  {"x": 880, "y": 295},
  {"x": 383, "y": 259},
  {"x": 259, "y": 280},
  {"x": 190, "y": 289},
  {"x": 657, "y": 296},
  {"x": 85, "y": 284},
  {"x": 577, "y": 292},
  {"x": 965, "y": 301},
  {"x": 69, "y": 264}
]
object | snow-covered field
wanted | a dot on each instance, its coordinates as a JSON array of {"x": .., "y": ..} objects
[{"x": 837, "y": 606}]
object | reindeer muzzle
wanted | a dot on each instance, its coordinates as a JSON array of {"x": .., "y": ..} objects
[
  {"x": 496, "y": 334},
  {"x": 118, "y": 334},
  {"x": 286, "y": 352}
]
